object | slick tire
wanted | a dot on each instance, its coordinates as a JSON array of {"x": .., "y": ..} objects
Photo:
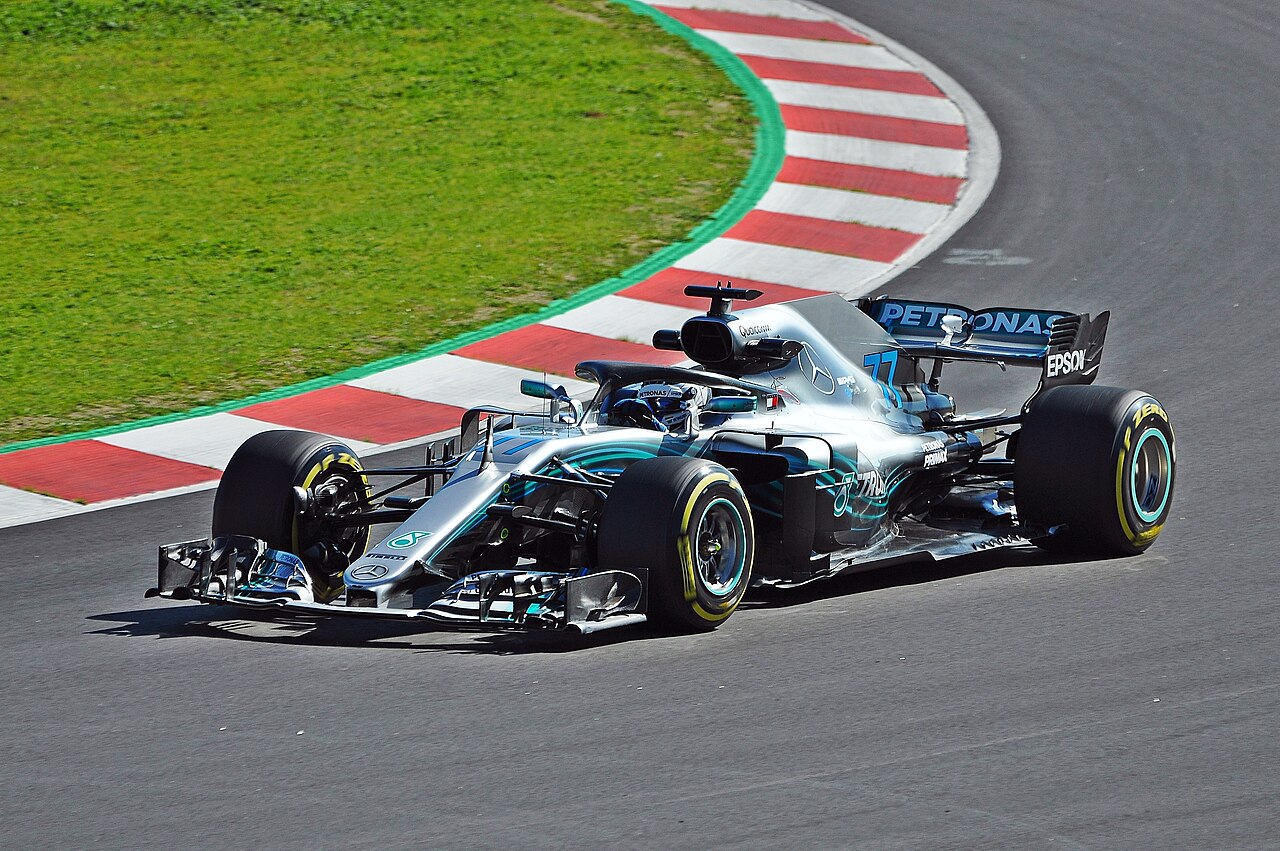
[
  {"x": 685, "y": 520},
  {"x": 256, "y": 498},
  {"x": 1099, "y": 461}
]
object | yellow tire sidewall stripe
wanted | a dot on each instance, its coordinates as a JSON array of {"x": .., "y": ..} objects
[
  {"x": 1137, "y": 538},
  {"x": 683, "y": 547}
]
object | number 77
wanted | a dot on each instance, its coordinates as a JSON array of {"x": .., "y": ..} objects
[{"x": 873, "y": 362}]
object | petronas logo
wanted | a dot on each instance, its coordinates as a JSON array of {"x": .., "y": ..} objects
[{"x": 405, "y": 541}]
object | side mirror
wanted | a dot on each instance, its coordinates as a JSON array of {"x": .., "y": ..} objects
[
  {"x": 541, "y": 390},
  {"x": 731, "y": 405},
  {"x": 559, "y": 397}
]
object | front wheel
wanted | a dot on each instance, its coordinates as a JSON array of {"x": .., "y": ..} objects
[
  {"x": 687, "y": 521},
  {"x": 1100, "y": 462},
  {"x": 256, "y": 498}
]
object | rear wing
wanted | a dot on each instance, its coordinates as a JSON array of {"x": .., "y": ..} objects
[{"x": 1066, "y": 346}]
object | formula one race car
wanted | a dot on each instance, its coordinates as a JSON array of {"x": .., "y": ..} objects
[{"x": 807, "y": 442}]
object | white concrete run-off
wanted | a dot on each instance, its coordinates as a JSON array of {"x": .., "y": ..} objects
[
  {"x": 868, "y": 101},
  {"x": 769, "y": 8},
  {"x": 900, "y": 156},
  {"x": 621, "y": 318},
  {"x": 871, "y": 56},
  {"x": 776, "y": 264},
  {"x": 18, "y": 507},
  {"x": 208, "y": 441},
  {"x": 463, "y": 381},
  {"x": 864, "y": 208}
]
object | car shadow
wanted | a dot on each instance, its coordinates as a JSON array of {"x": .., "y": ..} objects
[
  {"x": 237, "y": 624},
  {"x": 909, "y": 570}
]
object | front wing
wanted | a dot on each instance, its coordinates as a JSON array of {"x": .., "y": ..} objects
[{"x": 242, "y": 571}]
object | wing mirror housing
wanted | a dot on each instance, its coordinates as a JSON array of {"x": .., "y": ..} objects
[
  {"x": 564, "y": 408},
  {"x": 542, "y": 390},
  {"x": 731, "y": 405}
]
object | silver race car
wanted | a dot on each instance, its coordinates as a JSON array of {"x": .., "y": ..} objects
[{"x": 808, "y": 441}]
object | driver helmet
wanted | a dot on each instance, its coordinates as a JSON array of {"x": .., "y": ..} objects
[{"x": 662, "y": 406}]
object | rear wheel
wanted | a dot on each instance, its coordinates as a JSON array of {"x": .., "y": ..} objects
[
  {"x": 687, "y": 521},
  {"x": 1099, "y": 461},
  {"x": 256, "y": 498}
]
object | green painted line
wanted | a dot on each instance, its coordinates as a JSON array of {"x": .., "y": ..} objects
[{"x": 769, "y": 153}]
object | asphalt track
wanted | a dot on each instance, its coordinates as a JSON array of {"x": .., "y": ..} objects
[{"x": 1006, "y": 701}]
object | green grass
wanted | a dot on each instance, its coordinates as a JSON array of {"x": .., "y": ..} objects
[{"x": 205, "y": 199}]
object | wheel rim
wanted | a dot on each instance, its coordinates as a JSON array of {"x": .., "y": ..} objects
[
  {"x": 1149, "y": 476},
  {"x": 719, "y": 547},
  {"x": 340, "y": 495}
]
